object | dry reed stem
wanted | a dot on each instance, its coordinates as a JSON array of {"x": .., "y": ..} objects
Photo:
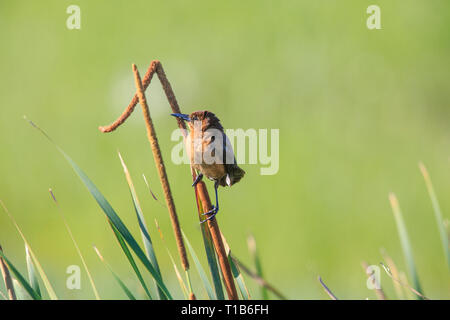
[
  {"x": 145, "y": 83},
  {"x": 395, "y": 274},
  {"x": 378, "y": 291},
  {"x": 7, "y": 278},
  {"x": 200, "y": 190},
  {"x": 216, "y": 236},
  {"x": 261, "y": 281},
  {"x": 161, "y": 168},
  {"x": 327, "y": 290},
  {"x": 403, "y": 282},
  {"x": 155, "y": 66}
]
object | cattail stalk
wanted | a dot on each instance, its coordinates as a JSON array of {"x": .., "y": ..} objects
[
  {"x": 200, "y": 190},
  {"x": 161, "y": 168}
]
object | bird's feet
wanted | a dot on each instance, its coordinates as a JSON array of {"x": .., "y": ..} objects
[
  {"x": 197, "y": 179},
  {"x": 212, "y": 213}
]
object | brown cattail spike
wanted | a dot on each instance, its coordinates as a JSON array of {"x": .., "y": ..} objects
[
  {"x": 201, "y": 191},
  {"x": 161, "y": 168}
]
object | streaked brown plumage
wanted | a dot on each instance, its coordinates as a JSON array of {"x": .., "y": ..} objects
[{"x": 202, "y": 145}]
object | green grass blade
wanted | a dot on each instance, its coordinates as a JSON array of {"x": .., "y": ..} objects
[
  {"x": 239, "y": 278},
  {"x": 38, "y": 266},
  {"x": 130, "y": 258},
  {"x": 22, "y": 294},
  {"x": 120, "y": 226},
  {"x": 7, "y": 279},
  {"x": 148, "y": 245},
  {"x": 24, "y": 283},
  {"x": 200, "y": 270},
  {"x": 112, "y": 215},
  {"x": 212, "y": 263},
  {"x": 395, "y": 275},
  {"x": 179, "y": 277},
  {"x": 151, "y": 192},
  {"x": 177, "y": 272},
  {"x": 251, "y": 243},
  {"x": 437, "y": 213},
  {"x": 403, "y": 282},
  {"x": 119, "y": 281},
  {"x": 237, "y": 275},
  {"x": 211, "y": 256},
  {"x": 32, "y": 277},
  {"x": 4, "y": 297},
  {"x": 405, "y": 243},
  {"x": 91, "y": 280}
]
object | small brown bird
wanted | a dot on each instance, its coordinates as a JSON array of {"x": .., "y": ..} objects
[{"x": 210, "y": 152}]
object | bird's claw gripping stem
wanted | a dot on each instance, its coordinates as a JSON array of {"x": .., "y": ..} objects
[
  {"x": 215, "y": 208},
  {"x": 198, "y": 179},
  {"x": 211, "y": 212}
]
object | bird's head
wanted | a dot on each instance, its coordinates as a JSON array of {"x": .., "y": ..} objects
[{"x": 204, "y": 118}]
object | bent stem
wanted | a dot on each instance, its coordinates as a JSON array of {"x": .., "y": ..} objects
[
  {"x": 259, "y": 280},
  {"x": 216, "y": 236},
  {"x": 161, "y": 170},
  {"x": 327, "y": 290},
  {"x": 200, "y": 190}
]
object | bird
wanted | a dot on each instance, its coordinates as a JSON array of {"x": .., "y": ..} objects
[{"x": 210, "y": 153}]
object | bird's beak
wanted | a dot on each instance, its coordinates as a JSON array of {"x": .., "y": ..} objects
[{"x": 182, "y": 116}]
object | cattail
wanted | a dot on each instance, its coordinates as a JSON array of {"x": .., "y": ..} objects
[{"x": 201, "y": 191}]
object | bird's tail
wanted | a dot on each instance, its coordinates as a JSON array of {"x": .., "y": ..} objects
[{"x": 234, "y": 175}]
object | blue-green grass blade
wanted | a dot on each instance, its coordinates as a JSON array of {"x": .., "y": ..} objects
[
  {"x": 21, "y": 293},
  {"x": 37, "y": 264},
  {"x": 177, "y": 273},
  {"x": 23, "y": 282},
  {"x": 32, "y": 277},
  {"x": 212, "y": 263},
  {"x": 148, "y": 245},
  {"x": 130, "y": 258},
  {"x": 123, "y": 286},
  {"x": 239, "y": 278},
  {"x": 251, "y": 243},
  {"x": 405, "y": 243},
  {"x": 119, "y": 281},
  {"x": 237, "y": 275},
  {"x": 117, "y": 222},
  {"x": 77, "y": 248},
  {"x": 4, "y": 297},
  {"x": 200, "y": 270},
  {"x": 211, "y": 256},
  {"x": 437, "y": 213},
  {"x": 112, "y": 216}
]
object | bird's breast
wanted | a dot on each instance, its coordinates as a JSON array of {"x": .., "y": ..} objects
[{"x": 202, "y": 157}]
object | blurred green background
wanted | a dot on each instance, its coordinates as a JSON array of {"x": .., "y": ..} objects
[{"x": 357, "y": 109}]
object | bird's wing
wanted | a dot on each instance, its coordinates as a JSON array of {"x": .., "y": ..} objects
[{"x": 228, "y": 153}]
